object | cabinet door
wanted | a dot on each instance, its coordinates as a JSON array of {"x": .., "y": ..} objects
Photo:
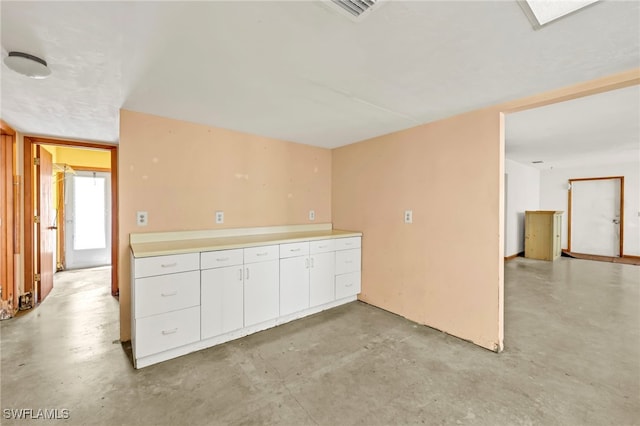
[
  {"x": 221, "y": 301},
  {"x": 294, "y": 284},
  {"x": 321, "y": 281},
  {"x": 261, "y": 296}
]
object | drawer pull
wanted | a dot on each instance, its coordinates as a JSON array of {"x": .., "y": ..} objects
[
  {"x": 169, "y": 265},
  {"x": 292, "y": 250},
  {"x": 322, "y": 246},
  {"x": 262, "y": 254},
  {"x": 348, "y": 285},
  {"x": 173, "y": 293},
  {"x": 348, "y": 244},
  {"x": 167, "y": 332},
  {"x": 222, "y": 259},
  {"x": 348, "y": 261}
]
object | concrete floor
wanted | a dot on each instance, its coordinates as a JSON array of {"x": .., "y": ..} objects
[{"x": 572, "y": 357}]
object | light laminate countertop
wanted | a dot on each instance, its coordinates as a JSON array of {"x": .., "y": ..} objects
[{"x": 162, "y": 248}]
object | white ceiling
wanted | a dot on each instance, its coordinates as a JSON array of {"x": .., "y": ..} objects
[
  {"x": 599, "y": 129},
  {"x": 295, "y": 70}
]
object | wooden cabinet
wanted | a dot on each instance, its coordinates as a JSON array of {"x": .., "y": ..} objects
[{"x": 543, "y": 234}]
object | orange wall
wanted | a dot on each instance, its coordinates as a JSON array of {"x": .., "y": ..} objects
[
  {"x": 446, "y": 269},
  {"x": 181, "y": 173}
]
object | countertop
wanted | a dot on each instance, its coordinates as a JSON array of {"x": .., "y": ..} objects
[{"x": 161, "y": 248}]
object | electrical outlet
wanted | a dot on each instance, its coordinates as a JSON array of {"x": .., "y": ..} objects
[
  {"x": 219, "y": 217},
  {"x": 408, "y": 216},
  {"x": 142, "y": 218},
  {"x": 312, "y": 215}
]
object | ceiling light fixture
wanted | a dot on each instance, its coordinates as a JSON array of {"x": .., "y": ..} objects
[{"x": 27, "y": 65}]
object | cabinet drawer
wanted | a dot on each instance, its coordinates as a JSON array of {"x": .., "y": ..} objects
[
  {"x": 160, "y": 265},
  {"x": 347, "y": 285},
  {"x": 322, "y": 246},
  {"x": 219, "y": 259},
  {"x": 167, "y": 331},
  {"x": 165, "y": 293},
  {"x": 294, "y": 249},
  {"x": 347, "y": 243},
  {"x": 347, "y": 261},
  {"x": 261, "y": 254}
]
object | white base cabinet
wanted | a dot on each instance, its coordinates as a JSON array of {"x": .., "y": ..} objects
[{"x": 187, "y": 302}]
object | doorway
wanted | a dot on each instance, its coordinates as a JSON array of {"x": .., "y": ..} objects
[
  {"x": 596, "y": 216},
  {"x": 87, "y": 219},
  {"x": 36, "y": 260}
]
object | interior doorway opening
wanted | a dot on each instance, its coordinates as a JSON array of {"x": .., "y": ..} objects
[{"x": 85, "y": 233}]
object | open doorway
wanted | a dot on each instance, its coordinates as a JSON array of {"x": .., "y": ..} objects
[{"x": 70, "y": 194}]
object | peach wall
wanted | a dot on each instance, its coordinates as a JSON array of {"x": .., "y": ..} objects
[
  {"x": 181, "y": 173},
  {"x": 446, "y": 269}
]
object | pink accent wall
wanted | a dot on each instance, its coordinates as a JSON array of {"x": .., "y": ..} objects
[
  {"x": 181, "y": 173},
  {"x": 446, "y": 269}
]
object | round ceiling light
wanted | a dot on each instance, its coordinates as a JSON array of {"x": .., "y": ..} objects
[{"x": 28, "y": 65}]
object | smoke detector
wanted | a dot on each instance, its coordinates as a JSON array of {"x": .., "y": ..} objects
[{"x": 27, "y": 65}]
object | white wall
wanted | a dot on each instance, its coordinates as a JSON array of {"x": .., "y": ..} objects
[
  {"x": 522, "y": 192},
  {"x": 553, "y": 196}
]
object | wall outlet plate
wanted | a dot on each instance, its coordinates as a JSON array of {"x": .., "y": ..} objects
[
  {"x": 219, "y": 217},
  {"x": 312, "y": 215},
  {"x": 142, "y": 218},
  {"x": 408, "y": 216}
]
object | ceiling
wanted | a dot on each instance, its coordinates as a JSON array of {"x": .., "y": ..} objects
[
  {"x": 296, "y": 70},
  {"x": 598, "y": 129}
]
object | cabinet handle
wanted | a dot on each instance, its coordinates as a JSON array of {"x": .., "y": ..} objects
[
  {"x": 262, "y": 254},
  {"x": 348, "y": 261},
  {"x": 169, "y": 265},
  {"x": 312, "y": 262},
  {"x": 348, "y": 244},
  {"x": 247, "y": 273},
  {"x": 321, "y": 246},
  {"x": 222, "y": 259},
  {"x": 292, "y": 250},
  {"x": 173, "y": 330},
  {"x": 240, "y": 274},
  {"x": 173, "y": 293},
  {"x": 306, "y": 263},
  {"x": 348, "y": 285}
]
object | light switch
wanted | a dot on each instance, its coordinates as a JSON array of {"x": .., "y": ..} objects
[
  {"x": 219, "y": 217},
  {"x": 142, "y": 218},
  {"x": 312, "y": 215}
]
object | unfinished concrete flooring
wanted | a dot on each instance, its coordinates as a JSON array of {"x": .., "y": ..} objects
[{"x": 572, "y": 357}]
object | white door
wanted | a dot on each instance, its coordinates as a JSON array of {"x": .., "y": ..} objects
[
  {"x": 322, "y": 276},
  {"x": 221, "y": 301},
  {"x": 595, "y": 217},
  {"x": 261, "y": 285},
  {"x": 294, "y": 284},
  {"x": 87, "y": 219}
]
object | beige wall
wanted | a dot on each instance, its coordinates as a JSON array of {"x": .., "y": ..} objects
[
  {"x": 181, "y": 173},
  {"x": 446, "y": 269}
]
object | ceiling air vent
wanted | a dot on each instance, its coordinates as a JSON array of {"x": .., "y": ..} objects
[{"x": 354, "y": 9}]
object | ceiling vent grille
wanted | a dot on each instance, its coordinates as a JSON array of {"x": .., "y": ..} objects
[{"x": 354, "y": 9}]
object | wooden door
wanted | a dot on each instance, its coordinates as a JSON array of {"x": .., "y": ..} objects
[{"x": 45, "y": 225}]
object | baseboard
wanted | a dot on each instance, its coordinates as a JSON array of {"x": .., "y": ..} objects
[
  {"x": 513, "y": 256},
  {"x": 630, "y": 256}
]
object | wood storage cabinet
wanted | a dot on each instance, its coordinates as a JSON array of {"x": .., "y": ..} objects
[{"x": 542, "y": 234}]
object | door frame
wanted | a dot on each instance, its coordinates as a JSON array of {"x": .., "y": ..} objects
[
  {"x": 9, "y": 239},
  {"x": 570, "y": 206},
  {"x": 28, "y": 162}
]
